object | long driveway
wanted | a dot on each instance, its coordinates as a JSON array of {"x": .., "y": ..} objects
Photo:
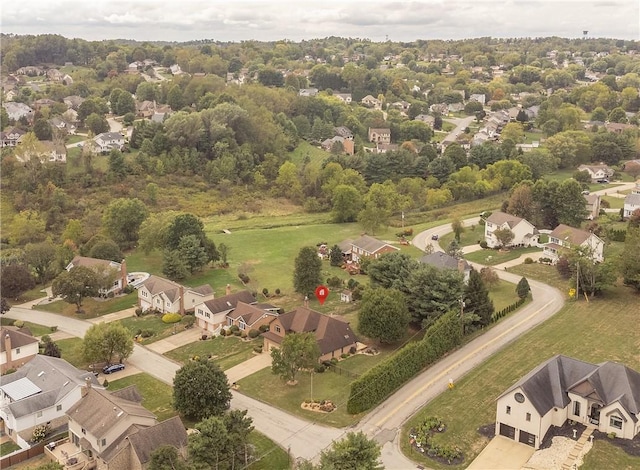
[{"x": 306, "y": 439}]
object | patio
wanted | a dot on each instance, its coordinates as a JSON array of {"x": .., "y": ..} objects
[{"x": 67, "y": 454}]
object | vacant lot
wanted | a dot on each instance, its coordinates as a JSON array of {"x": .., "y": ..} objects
[{"x": 588, "y": 331}]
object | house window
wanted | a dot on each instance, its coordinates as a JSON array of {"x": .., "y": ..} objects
[
  {"x": 208, "y": 315},
  {"x": 508, "y": 410},
  {"x": 242, "y": 325},
  {"x": 528, "y": 416},
  {"x": 39, "y": 414},
  {"x": 576, "y": 408},
  {"x": 615, "y": 422},
  {"x": 84, "y": 431},
  {"x": 277, "y": 329},
  {"x": 59, "y": 408},
  {"x": 17, "y": 350},
  {"x": 103, "y": 442}
]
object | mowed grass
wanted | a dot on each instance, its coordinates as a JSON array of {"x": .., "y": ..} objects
[
  {"x": 494, "y": 257},
  {"x": 587, "y": 331},
  {"x": 8, "y": 447},
  {"x": 614, "y": 202},
  {"x": 269, "y": 455},
  {"x": 470, "y": 236},
  {"x": 36, "y": 329},
  {"x": 156, "y": 395},
  {"x": 92, "y": 308},
  {"x": 604, "y": 454},
  {"x": 503, "y": 294},
  {"x": 150, "y": 323},
  {"x": 225, "y": 351},
  {"x": 71, "y": 350}
]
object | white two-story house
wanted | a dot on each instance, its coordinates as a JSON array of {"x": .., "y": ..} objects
[
  {"x": 16, "y": 348},
  {"x": 167, "y": 296},
  {"x": 115, "y": 272},
  {"x": 605, "y": 396},
  {"x": 565, "y": 237},
  {"x": 524, "y": 233}
]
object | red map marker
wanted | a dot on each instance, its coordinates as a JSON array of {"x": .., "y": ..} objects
[{"x": 321, "y": 293}]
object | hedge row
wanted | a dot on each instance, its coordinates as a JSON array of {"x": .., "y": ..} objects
[
  {"x": 385, "y": 378},
  {"x": 498, "y": 315}
]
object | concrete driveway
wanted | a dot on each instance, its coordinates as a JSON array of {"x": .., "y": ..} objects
[
  {"x": 248, "y": 367},
  {"x": 502, "y": 453}
]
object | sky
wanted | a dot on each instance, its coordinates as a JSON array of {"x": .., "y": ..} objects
[{"x": 377, "y": 20}]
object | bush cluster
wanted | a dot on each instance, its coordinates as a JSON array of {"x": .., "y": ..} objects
[
  {"x": 385, "y": 378},
  {"x": 253, "y": 333},
  {"x": 171, "y": 318},
  {"x": 498, "y": 315},
  {"x": 483, "y": 244}
]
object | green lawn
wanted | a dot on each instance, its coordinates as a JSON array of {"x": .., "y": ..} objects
[
  {"x": 151, "y": 323},
  {"x": 470, "y": 236},
  {"x": 587, "y": 331},
  {"x": 614, "y": 202},
  {"x": 8, "y": 447},
  {"x": 494, "y": 257},
  {"x": 541, "y": 272},
  {"x": 156, "y": 395},
  {"x": 326, "y": 386},
  {"x": 225, "y": 351},
  {"x": 271, "y": 456},
  {"x": 92, "y": 308},
  {"x": 503, "y": 294},
  {"x": 71, "y": 350},
  {"x": 304, "y": 150},
  {"x": 604, "y": 454},
  {"x": 36, "y": 329}
]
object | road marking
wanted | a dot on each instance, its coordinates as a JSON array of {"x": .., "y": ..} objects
[{"x": 457, "y": 364}]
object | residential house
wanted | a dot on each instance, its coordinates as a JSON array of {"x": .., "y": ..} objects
[
  {"x": 328, "y": 144},
  {"x": 592, "y": 205},
  {"x": 62, "y": 125},
  {"x": 16, "y": 348},
  {"x": 631, "y": 204},
  {"x": 371, "y": 102},
  {"x": 12, "y": 137},
  {"x": 251, "y": 317},
  {"x": 402, "y": 106},
  {"x": 42, "y": 102},
  {"x": 367, "y": 246},
  {"x": 344, "y": 97},
  {"x": 167, "y": 296},
  {"x": 73, "y": 101},
  {"x": 107, "y": 141},
  {"x": 55, "y": 75},
  {"x": 384, "y": 148},
  {"x": 30, "y": 70},
  {"x": 441, "y": 260},
  {"x": 53, "y": 151},
  {"x": 113, "y": 431},
  {"x": 478, "y": 97},
  {"x": 605, "y": 396},
  {"x": 343, "y": 132},
  {"x": 39, "y": 392},
  {"x": 346, "y": 296},
  {"x": 17, "y": 111},
  {"x": 333, "y": 334},
  {"x": 618, "y": 127},
  {"x": 564, "y": 237},
  {"x": 145, "y": 109},
  {"x": 597, "y": 172},
  {"x": 308, "y": 92},
  {"x": 117, "y": 272},
  {"x": 211, "y": 315},
  {"x": 440, "y": 108},
  {"x": 455, "y": 107},
  {"x": 525, "y": 234},
  {"x": 175, "y": 69},
  {"x": 379, "y": 135},
  {"x": 426, "y": 118}
]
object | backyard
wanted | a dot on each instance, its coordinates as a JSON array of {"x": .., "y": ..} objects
[{"x": 587, "y": 331}]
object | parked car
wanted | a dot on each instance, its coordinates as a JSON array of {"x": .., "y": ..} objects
[
  {"x": 112, "y": 368},
  {"x": 434, "y": 237},
  {"x": 603, "y": 181}
]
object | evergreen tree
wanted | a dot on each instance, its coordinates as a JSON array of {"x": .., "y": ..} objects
[
  {"x": 476, "y": 299},
  {"x": 307, "y": 273},
  {"x": 335, "y": 256},
  {"x": 522, "y": 289}
]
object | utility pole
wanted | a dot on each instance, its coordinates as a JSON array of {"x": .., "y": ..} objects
[{"x": 462, "y": 315}]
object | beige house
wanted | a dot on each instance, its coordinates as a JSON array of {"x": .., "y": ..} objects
[
  {"x": 605, "y": 396},
  {"x": 379, "y": 135},
  {"x": 367, "y": 246},
  {"x": 251, "y": 317},
  {"x": 592, "y": 206},
  {"x": 334, "y": 335},
  {"x": 525, "y": 234},
  {"x": 113, "y": 431},
  {"x": 16, "y": 348},
  {"x": 597, "y": 172},
  {"x": 564, "y": 237},
  {"x": 211, "y": 315},
  {"x": 170, "y": 297},
  {"x": 117, "y": 272}
]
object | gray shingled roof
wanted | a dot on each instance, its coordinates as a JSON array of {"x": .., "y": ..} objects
[
  {"x": 18, "y": 339},
  {"x": 170, "y": 432},
  {"x": 226, "y": 303},
  {"x": 573, "y": 235},
  {"x": 632, "y": 199},
  {"x": 370, "y": 244},
  {"x": 442, "y": 260},
  {"x": 500, "y": 218}
]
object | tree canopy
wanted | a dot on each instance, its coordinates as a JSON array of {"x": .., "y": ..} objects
[{"x": 201, "y": 390}]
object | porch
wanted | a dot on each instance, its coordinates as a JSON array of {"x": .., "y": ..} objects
[{"x": 68, "y": 455}]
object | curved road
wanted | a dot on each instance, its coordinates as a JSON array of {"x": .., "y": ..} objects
[{"x": 305, "y": 439}]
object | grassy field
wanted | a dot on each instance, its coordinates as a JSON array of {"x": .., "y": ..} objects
[
  {"x": 494, "y": 257},
  {"x": 470, "y": 236},
  {"x": 587, "y": 331},
  {"x": 503, "y": 294},
  {"x": 304, "y": 150},
  {"x": 92, "y": 308},
  {"x": 156, "y": 395},
  {"x": 614, "y": 202},
  {"x": 270, "y": 455},
  {"x": 604, "y": 454},
  {"x": 36, "y": 329},
  {"x": 226, "y": 352}
]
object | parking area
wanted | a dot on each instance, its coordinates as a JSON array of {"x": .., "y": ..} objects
[{"x": 502, "y": 454}]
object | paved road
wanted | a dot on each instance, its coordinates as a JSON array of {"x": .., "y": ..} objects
[{"x": 461, "y": 124}]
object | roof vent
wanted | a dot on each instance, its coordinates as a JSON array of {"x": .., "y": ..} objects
[
  {"x": 119, "y": 414},
  {"x": 229, "y": 303},
  {"x": 41, "y": 373}
]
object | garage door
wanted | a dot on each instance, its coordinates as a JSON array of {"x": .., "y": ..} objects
[
  {"x": 507, "y": 431},
  {"x": 527, "y": 438}
]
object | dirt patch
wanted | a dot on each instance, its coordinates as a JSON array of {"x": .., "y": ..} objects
[{"x": 488, "y": 430}]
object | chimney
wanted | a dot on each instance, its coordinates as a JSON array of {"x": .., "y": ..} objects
[
  {"x": 87, "y": 386},
  {"x": 123, "y": 273},
  {"x": 228, "y": 290},
  {"x": 461, "y": 265},
  {"x": 306, "y": 301},
  {"x": 7, "y": 348},
  {"x": 181, "y": 300}
]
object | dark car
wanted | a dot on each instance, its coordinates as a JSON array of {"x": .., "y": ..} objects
[
  {"x": 603, "y": 181},
  {"x": 434, "y": 237},
  {"x": 112, "y": 368}
]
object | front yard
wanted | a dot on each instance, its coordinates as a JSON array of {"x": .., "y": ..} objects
[
  {"x": 150, "y": 326},
  {"x": 225, "y": 351},
  {"x": 493, "y": 257},
  {"x": 92, "y": 307}
]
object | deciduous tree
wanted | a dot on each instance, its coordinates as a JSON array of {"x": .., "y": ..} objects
[
  {"x": 167, "y": 457},
  {"x": 297, "y": 351},
  {"x": 504, "y": 236},
  {"x": 122, "y": 219},
  {"x": 15, "y": 279},
  {"x": 107, "y": 342},
  {"x": 629, "y": 264},
  {"x": 355, "y": 451},
  {"x": 201, "y": 390},
  {"x": 75, "y": 285},
  {"x": 383, "y": 315}
]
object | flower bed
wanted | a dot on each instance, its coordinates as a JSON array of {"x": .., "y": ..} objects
[
  {"x": 324, "y": 406},
  {"x": 421, "y": 439}
]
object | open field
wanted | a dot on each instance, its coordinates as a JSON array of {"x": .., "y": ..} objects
[
  {"x": 587, "y": 331},
  {"x": 225, "y": 351},
  {"x": 472, "y": 235}
]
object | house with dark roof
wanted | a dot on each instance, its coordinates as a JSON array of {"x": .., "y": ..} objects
[
  {"x": 167, "y": 296},
  {"x": 114, "y": 431},
  {"x": 333, "y": 334},
  {"x": 525, "y": 234},
  {"x": 11, "y": 137},
  {"x": 211, "y": 315},
  {"x": 367, "y": 246},
  {"x": 16, "y": 348},
  {"x": 250, "y": 317},
  {"x": 605, "y": 396},
  {"x": 41, "y": 391},
  {"x": 115, "y": 272},
  {"x": 441, "y": 260},
  {"x": 564, "y": 237}
]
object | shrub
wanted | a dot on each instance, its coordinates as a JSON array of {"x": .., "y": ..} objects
[
  {"x": 243, "y": 334},
  {"x": 146, "y": 333},
  {"x": 483, "y": 244},
  {"x": 352, "y": 350},
  {"x": 334, "y": 282},
  {"x": 277, "y": 291},
  {"x": 258, "y": 349},
  {"x": 344, "y": 355},
  {"x": 234, "y": 328},
  {"x": 171, "y": 318},
  {"x": 139, "y": 312},
  {"x": 46, "y": 339},
  {"x": 188, "y": 321},
  {"x": 253, "y": 333},
  {"x": 128, "y": 289},
  {"x": 265, "y": 292},
  {"x": 262, "y": 329},
  {"x": 40, "y": 432},
  {"x": 334, "y": 360},
  {"x": 204, "y": 337},
  {"x": 611, "y": 435},
  {"x": 54, "y": 328},
  {"x": 244, "y": 278},
  {"x": 528, "y": 261},
  {"x": 319, "y": 368},
  {"x": 18, "y": 323},
  {"x": 236, "y": 332}
]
